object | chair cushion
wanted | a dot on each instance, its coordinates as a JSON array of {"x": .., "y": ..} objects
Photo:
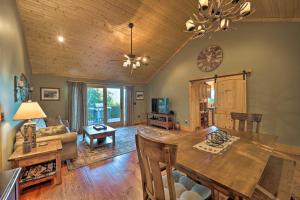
[
  {"x": 186, "y": 188},
  {"x": 200, "y": 189},
  {"x": 187, "y": 182},
  {"x": 190, "y": 195}
]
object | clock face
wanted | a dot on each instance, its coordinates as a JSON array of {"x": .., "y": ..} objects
[{"x": 210, "y": 58}]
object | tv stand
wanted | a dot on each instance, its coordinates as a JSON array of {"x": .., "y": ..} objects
[{"x": 162, "y": 120}]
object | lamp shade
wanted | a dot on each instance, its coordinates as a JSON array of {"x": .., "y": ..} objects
[{"x": 29, "y": 110}]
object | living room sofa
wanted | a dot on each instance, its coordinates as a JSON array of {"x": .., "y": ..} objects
[{"x": 58, "y": 131}]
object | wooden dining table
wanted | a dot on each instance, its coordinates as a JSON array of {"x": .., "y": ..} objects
[{"x": 235, "y": 172}]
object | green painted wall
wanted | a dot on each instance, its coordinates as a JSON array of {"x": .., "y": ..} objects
[
  {"x": 51, "y": 108},
  {"x": 55, "y": 108},
  {"x": 270, "y": 50},
  {"x": 13, "y": 61}
]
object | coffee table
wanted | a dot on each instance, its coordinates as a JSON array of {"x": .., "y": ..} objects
[{"x": 92, "y": 134}]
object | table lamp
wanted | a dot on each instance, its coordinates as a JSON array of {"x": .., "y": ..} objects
[{"x": 28, "y": 111}]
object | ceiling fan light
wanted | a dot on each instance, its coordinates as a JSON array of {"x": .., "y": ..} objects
[
  {"x": 131, "y": 60},
  {"x": 203, "y": 4},
  {"x": 144, "y": 60},
  {"x": 246, "y": 8},
  {"x": 138, "y": 64},
  {"x": 190, "y": 25},
  {"x": 224, "y": 24}
]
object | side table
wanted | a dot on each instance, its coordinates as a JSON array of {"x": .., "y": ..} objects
[{"x": 41, "y": 154}]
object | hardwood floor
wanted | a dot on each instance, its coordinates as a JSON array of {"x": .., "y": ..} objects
[{"x": 113, "y": 179}]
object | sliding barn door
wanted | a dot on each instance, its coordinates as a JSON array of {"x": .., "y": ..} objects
[{"x": 230, "y": 96}]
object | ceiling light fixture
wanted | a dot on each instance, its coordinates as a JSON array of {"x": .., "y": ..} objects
[
  {"x": 60, "y": 39},
  {"x": 216, "y": 15},
  {"x": 132, "y": 61}
]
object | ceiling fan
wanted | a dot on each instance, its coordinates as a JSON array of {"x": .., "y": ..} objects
[{"x": 131, "y": 60}]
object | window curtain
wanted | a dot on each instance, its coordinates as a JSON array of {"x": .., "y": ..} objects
[
  {"x": 77, "y": 111},
  {"x": 129, "y": 104}
]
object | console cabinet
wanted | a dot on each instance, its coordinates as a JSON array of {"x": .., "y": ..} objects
[{"x": 161, "y": 120}]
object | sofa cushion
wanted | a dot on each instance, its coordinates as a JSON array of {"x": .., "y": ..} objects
[
  {"x": 52, "y": 130},
  {"x": 53, "y": 121},
  {"x": 64, "y": 138}
]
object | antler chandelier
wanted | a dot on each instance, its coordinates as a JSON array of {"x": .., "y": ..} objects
[
  {"x": 132, "y": 60},
  {"x": 216, "y": 15}
]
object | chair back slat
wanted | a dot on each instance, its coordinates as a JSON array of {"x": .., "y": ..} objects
[
  {"x": 148, "y": 175},
  {"x": 151, "y": 153},
  {"x": 157, "y": 179},
  {"x": 246, "y": 121}
]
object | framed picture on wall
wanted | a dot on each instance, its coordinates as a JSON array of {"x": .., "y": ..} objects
[
  {"x": 50, "y": 94},
  {"x": 139, "y": 95}
]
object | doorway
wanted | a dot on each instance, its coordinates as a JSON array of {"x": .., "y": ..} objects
[
  {"x": 105, "y": 105},
  {"x": 212, "y": 100}
]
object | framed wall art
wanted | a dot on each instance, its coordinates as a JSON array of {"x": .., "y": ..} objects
[
  {"x": 139, "y": 95},
  {"x": 21, "y": 88},
  {"x": 50, "y": 94}
]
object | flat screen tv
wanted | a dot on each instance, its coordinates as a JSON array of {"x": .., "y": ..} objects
[{"x": 160, "y": 105}]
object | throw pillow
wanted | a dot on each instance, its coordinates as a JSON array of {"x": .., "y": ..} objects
[
  {"x": 52, "y": 130},
  {"x": 52, "y": 122}
]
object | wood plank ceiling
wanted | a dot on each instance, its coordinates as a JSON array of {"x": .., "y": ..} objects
[{"x": 96, "y": 32}]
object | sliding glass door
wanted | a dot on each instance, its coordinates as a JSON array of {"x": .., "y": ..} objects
[
  {"x": 113, "y": 105},
  {"x": 95, "y": 102},
  {"x": 105, "y": 105}
]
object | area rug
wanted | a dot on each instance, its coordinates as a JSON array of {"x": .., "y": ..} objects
[{"x": 125, "y": 143}]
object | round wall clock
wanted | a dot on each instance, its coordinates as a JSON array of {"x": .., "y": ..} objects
[{"x": 210, "y": 58}]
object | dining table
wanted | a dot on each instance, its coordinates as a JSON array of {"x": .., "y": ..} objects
[{"x": 234, "y": 172}]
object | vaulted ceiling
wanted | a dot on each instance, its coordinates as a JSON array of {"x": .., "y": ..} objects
[{"x": 96, "y": 32}]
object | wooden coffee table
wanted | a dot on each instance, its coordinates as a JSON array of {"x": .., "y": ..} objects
[
  {"x": 38, "y": 155},
  {"x": 92, "y": 134}
]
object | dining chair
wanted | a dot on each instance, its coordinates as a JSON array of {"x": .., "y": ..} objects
[
  {"x": 276, "y": 182},
  {"x": 172, "y": 186},
  {"x": 245, "y": 118}
]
